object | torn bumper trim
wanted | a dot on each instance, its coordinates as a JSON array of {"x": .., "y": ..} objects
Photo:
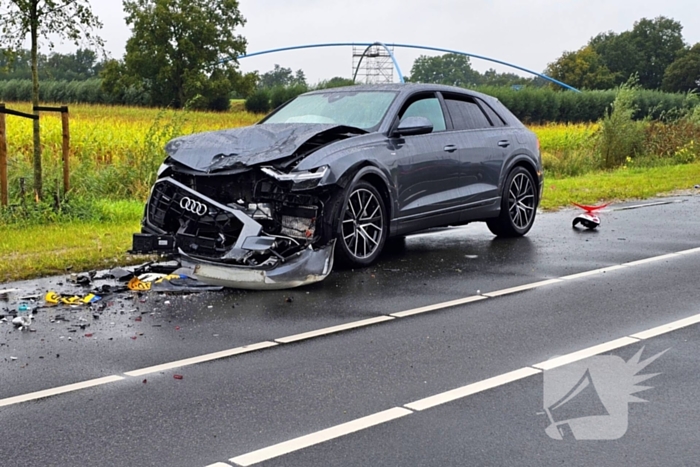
[{"x": 308, "y": 266}]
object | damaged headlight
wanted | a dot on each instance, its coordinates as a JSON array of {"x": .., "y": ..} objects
[{"x": 306, "y": 179}]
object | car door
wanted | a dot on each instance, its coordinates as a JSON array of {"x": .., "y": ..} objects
[
  {"x": 481, "y": 148},
  {"x": 426, "y": 172}
]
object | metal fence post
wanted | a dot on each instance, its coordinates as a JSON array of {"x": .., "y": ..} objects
[
  {"x": 4, "y": 195},
  {"x": 66, "y": 149}
]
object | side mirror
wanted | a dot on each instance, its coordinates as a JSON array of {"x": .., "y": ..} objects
[{"x": 414, "y": 126}]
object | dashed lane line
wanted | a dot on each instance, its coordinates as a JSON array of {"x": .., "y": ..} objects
[
  {"x": 59, "y": 390},
  {"x": 319, "y": 437},
  {"x": 326, "y": 331}
]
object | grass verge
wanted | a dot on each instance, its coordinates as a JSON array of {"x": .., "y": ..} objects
[{"x": 29, "y": 251}]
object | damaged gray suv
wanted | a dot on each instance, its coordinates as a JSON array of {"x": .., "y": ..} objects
[{"x": 336, "y": 173}]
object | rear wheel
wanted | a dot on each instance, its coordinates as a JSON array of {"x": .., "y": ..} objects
[
  {"x": 518, "y": 205},
  {"x": 360, "y": 225}
]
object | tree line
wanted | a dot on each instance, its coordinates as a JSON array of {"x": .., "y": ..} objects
[{"x": 654, "y": 50}]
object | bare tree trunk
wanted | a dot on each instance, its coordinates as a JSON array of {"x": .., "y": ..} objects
[{"x": 34, "y": 18}]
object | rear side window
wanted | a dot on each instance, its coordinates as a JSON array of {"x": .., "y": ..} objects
[
  {"x": 466, "y": 114},
  {"x": 429, "y": 108},
  {"x": 493, "y": 116}
]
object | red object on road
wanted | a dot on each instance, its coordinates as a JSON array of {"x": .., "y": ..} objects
[
  {"x": 177, "y": 376},
  {"x": 591, "y": 209}
]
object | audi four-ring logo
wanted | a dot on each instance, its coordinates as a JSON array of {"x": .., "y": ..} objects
[{"x": 195, "y": 207}]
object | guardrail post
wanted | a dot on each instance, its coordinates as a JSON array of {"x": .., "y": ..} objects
[{"x": 4, "y": 195}]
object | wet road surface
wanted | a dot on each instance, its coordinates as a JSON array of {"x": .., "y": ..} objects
[{"x": 286, "y": 389}]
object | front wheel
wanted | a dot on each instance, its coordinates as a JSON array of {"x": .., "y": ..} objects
[
  {"x": 361, "y": 225},
  {"x": 518, "y": 205}
]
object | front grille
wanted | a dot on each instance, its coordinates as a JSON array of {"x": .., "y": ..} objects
[{"x": 206, "y": 229}]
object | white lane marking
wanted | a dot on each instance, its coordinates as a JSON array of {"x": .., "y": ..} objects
[
  {"x": 438, "y": 306},
  {"x": 520, "y": 288},
  {"x": 585, "y": 353},
  {"x": 593, "y": 272},
  {"x": 664, "y": 328},
  {"x": 333, "y": 329},
  {"x": 219, "y": 464},
  {"x": 263, "y": 345},
  {"x": 470, "y": 389},
  {"x": 645, "y": 205},
  {"x": 59, "y": 390},
  {"x": 201, "y": 359},
  {"x": 319, "y": 437},
  {"x": 650, "y": 260}
]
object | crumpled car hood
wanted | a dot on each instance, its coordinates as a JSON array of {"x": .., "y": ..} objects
[{"x": 226, "y": 149}]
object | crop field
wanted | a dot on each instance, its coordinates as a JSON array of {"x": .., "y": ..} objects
[{"x": 115, "y": 151}]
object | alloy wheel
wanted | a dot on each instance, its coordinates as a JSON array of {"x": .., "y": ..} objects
[
  {"x": 521, "y": 201},
  {"x": 363, "y": 223}
]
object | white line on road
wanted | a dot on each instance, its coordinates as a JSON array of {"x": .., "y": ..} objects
[
  {"x": 470, "y": 389},
  {"x": 296, "y": 444},
  {"x": 664, "y": 328},
  {"x": 439, "y": 306},
  {"x": 320, "y": 436},
  {"x": 201, "y": 359},
  {"x": 334, "y": 329},
  {"x": 585, "y": 353},
  {"x": 59, "y": 390},
  {"x": 521, "y": 288},
  {"x": 593, "y": 272}
]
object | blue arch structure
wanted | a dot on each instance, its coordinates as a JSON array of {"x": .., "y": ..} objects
[{"x": 406, "y": 46}]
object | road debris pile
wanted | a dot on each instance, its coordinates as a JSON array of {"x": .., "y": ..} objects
[{"x": 94, "y": 293}]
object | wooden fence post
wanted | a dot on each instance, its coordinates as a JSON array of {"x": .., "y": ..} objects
[
  {"x": 66, "y": 149},
  {"x": 4, "y": 195}
]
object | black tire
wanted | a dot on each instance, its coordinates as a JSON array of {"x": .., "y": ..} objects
[
  {"x": 358, "y": 220},
  {"x": 518, "y": 205}
]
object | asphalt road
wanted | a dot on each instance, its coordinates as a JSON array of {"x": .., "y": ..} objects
[{"x": 293, "y": 392}]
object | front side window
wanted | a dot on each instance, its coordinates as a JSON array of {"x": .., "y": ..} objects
[
  {"x": 364, "y": 109},
  {"x": 429, "y": 108}
]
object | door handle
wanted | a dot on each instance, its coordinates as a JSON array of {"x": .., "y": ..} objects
[
  {"x": 504, "y": 143},
  {"x": 450, "y": 148}
]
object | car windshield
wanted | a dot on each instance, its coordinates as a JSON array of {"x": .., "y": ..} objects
[{"x": 363, "y": 109}]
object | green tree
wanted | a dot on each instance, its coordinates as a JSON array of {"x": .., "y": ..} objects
[
  {"x": 281, "y": 77},
  {"x": 492, "y": 78},
  {"x": 335, "y": 82},
  {"x": 659, "y": 42},
  {"x": 684, "y": 74},
  {"x": 581, "y": 69},
  {"x": 618, "y": 53},
  {"x": 44, "y": 19},
  {"x": 181, "y": 52},
  {"x": 646, "y": 50},
  {"x": 450, "y": 69}
]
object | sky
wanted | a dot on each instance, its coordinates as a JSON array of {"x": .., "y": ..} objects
[{"x": 529, "y": 33}]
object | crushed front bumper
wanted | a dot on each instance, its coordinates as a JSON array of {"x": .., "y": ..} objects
[
  {"x": 308, "y": 266},
  {"x": 220, "y": 266}
]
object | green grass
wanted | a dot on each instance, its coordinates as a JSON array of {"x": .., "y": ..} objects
[
  {"x": 618, "y": 185},
  {"x": 30, "y": 250}
]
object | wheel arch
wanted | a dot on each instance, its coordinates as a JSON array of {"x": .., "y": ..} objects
[
  {"x": 372, "y": 174},
  {"x": 526, "y": 163}
]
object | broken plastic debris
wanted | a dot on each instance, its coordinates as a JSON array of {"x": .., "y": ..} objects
[
  {"x": 22, "y": 322},
  {"x": 139, "y": 286},
  {"x": 151, "y": 277}
]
